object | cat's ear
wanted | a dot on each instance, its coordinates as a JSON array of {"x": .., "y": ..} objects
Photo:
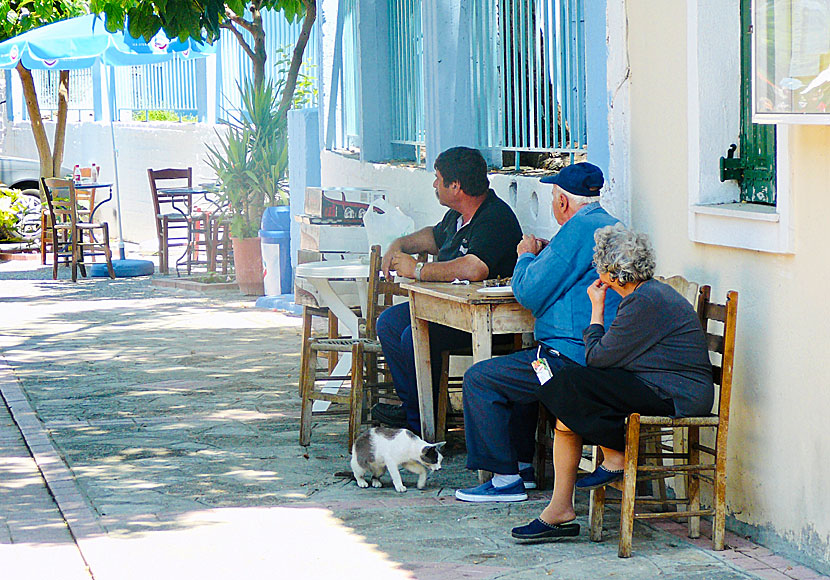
[{"x": 439, "y": 445}]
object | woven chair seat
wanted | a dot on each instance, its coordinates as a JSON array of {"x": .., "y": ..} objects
[{"x": 344, "y": 344}]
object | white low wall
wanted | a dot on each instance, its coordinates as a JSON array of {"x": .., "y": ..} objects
[
  {"x": 410, "y": 188},
  {"x": 140, "y": 146}
]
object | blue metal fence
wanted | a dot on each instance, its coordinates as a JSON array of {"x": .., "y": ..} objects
[
  {"x": 168, "y": 86},
  {"x": 406, "y": 40},
  {"x": 543, "y": 63}
]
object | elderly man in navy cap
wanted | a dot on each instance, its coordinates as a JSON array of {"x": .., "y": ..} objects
[{"x": 551, "y": 280}]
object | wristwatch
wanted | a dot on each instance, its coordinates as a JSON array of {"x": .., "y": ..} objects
[{"x": 418, "y": 267}]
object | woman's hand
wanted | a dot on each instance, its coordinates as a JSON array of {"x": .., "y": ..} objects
[{"x": 596, "y": 293}]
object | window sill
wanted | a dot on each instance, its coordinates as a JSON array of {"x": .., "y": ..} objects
[
  {"x": 741, "y": 225},
  {"x": 744, "y": 211}
]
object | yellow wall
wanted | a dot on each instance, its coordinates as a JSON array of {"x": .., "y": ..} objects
[{"x": 779, "y": 438}]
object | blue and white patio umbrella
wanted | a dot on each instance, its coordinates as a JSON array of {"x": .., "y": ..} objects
[{"x": 80, "y": 43}]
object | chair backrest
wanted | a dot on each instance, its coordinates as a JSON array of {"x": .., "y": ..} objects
[
  {"x": 719, "y": 323},
  {"x": 380, "y": 293},
  {"x": 688, "y": 290},
  {"x": 163, "y": 203},
  {"x": 61, "y": 199}
]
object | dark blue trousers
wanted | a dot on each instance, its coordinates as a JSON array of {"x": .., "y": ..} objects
[
  {"x": 395, "y": 334},
  {"x": 501, "y": 408}
]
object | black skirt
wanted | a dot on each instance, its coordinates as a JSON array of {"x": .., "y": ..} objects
[{"x": 595, "y": 402}]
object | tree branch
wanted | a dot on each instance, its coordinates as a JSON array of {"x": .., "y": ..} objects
[
  {"x": 242, "y": 42},
  {"x": 239, "y": 20},
  {"x": 297, "y": 58}
]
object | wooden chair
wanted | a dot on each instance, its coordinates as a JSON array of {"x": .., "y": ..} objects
[
  {"x": 718, "y": 320},
  {"x": 177, "y": 225},
  {"x": 73, "y": 238},
  {"x": 365, "y": 350}
]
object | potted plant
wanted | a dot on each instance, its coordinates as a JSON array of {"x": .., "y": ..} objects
[{"x": 250, "y": 162}]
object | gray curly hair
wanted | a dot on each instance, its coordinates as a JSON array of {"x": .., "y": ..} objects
[{"x": 624, "y": 254}]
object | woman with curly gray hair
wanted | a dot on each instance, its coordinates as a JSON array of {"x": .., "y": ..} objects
[{"x": 652, "y": 360}]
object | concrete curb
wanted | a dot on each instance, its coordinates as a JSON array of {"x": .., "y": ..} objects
[{"x": 76, "y": 511}]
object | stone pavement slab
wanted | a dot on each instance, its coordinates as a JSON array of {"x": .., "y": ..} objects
[{"x": 176, "y": 417}]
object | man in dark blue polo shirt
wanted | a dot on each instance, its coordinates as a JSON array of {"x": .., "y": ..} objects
[{"x": 475, "y": 240}]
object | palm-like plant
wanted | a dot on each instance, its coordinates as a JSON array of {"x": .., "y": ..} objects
[{"x": 251, "y": 159}]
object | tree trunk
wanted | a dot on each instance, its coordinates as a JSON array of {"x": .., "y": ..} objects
[
  {"x": 260, "y": 56},
  {"x": 60, "y": 127},
  {"x": 41, "y": 140},
  {"x": 297, "y": 57}
]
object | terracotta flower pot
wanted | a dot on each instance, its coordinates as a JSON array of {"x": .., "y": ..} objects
[{"x": 247, "y": 260}]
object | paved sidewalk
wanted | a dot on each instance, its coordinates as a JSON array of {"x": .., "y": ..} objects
[{"x": 165, "y": 423}]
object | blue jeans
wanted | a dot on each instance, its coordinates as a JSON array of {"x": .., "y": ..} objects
[
  {"x": 395, "y": 334},
  {"x": 501, "y": 408}
]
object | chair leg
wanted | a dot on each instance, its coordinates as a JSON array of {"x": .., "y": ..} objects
[
  {"x": 44, "y": 234},
  {"x": 334, "y": 332},
  {"x": 632, "y": 447},
  {"x": 54, "y": 253},
  {"x": 308, "y": 371},
  {"x": 443, "y": 398},
  {"x": 596, "y": 513},
  {"x": 693, "y": 482},
  {"x": 163, "y": 250},
  {"x": 356, "y": 399},
  {"x": 719, "y": 498},
  {"x": 306, "y": 335}
]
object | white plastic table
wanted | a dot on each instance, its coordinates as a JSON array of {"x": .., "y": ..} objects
[{"x": 321, "y": 275}]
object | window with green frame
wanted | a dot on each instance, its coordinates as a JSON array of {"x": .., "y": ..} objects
[{"x": 754, "y": 168}]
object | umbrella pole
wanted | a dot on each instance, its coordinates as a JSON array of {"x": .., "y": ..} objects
[{"x": 111, "y": 95}]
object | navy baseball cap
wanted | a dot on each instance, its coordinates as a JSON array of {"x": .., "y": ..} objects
[{"x": 583, "y": 179}]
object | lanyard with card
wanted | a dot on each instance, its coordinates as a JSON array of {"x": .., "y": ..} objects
[{"x": 541, "y": 367}]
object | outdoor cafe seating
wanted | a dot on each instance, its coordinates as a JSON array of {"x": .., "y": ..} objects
[
  {"x": 178, "y": 225},
  {"x": 73, "y": 238}
]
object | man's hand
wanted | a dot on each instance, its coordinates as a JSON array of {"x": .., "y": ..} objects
[
  {"x": 531, "y": 244},
  {"x": 402, "y": 263}
]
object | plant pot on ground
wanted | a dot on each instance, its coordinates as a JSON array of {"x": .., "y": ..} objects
[{"x": 250, "y": 162}]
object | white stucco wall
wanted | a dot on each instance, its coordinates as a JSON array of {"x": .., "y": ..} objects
[
  {"x": 779, "y": 452},
  {"x": 140, "y": 145}
]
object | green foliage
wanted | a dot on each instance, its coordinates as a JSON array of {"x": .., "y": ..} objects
[
  {"x": 22, "y": 16},
  {"x": 163, "y": 116},
  {"x": 251, "y": 159},
  {"x": 305, "y": 91},
  {"x": 11, "y": 206},
  {"x": 184, "y": 18}
]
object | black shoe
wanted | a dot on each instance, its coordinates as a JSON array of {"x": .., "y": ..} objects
[{"x": 389, "y": 415}]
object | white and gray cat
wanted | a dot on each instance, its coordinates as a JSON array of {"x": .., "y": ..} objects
[{"x": 382, "y": 447}]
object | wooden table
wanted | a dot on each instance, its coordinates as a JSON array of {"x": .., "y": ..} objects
[{"x": 463, "y": 307}]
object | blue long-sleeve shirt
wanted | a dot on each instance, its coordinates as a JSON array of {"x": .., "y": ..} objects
[{"x": 553, "y": 285}]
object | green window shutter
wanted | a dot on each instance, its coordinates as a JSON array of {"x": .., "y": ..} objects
[{"x": 755, "y": 168}]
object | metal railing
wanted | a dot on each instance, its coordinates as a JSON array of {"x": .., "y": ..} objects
[
  {"x": 543, "y": 84},
  {"x": 80, "y": 92},
  {"x": 168, "y": 86},
  {"x": 406, "y": 41}
]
